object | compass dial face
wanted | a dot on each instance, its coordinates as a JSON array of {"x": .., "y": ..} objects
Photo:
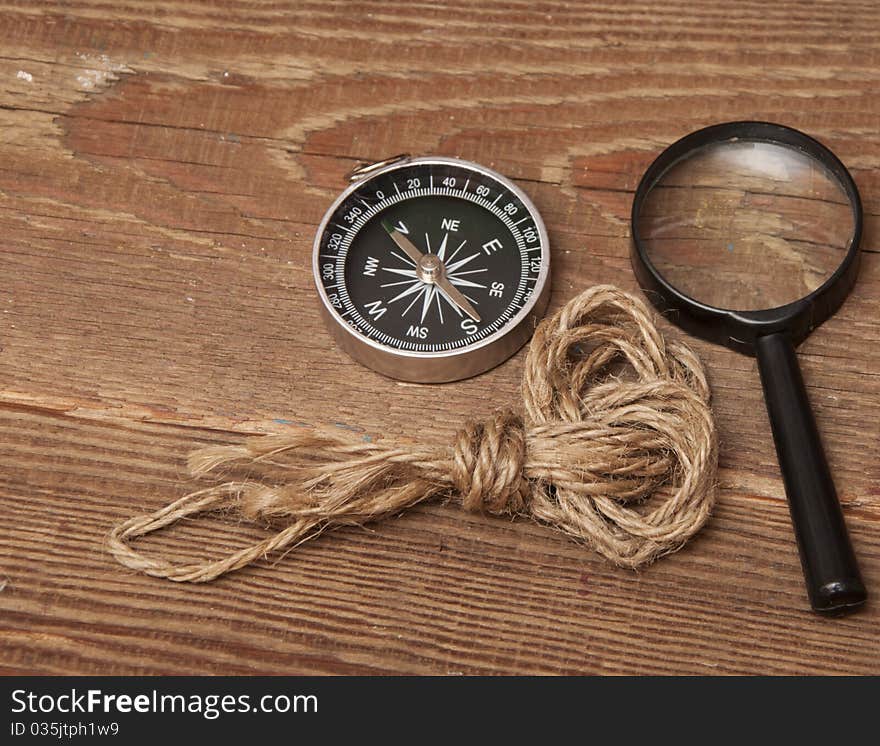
[{"x": 431, "y": 258}]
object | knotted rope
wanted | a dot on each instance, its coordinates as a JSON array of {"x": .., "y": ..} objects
[{"x": 618, "y": 450}]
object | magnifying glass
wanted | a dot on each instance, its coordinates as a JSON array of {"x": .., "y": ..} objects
[{"x": 747, "y": 234}]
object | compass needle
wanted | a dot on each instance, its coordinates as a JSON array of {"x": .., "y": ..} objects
[
  {"x": 412, "y": 238},
  {"x": 409, "y": 248},
  {"x": 458, "y": 298},
  {"x": 452, "y": 304}
]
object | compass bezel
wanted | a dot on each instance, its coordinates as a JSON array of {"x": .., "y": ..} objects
[{"x": 444, "y": 365}]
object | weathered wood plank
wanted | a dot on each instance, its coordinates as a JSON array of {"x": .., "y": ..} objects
[{"x": 437, "y": 590}]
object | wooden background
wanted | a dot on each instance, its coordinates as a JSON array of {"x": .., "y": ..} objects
[{"x": 163, "y": 167}]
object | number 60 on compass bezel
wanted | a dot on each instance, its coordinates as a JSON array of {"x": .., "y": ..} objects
[{"x": 431, "y": 269}]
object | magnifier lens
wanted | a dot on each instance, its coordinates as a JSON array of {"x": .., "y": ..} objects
[
  {"x": 751, "y": 217},
  {"x": 746, "y": 225}
]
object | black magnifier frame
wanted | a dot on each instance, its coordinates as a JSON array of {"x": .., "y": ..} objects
[{"x": 831, "y": 572}]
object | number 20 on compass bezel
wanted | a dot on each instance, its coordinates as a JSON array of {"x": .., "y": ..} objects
[{"x": 431, "y": 269}]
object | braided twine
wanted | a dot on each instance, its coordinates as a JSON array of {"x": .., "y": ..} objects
[{"x": 617, "y": 449}]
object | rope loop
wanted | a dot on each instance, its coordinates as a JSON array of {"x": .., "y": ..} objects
[{"x": 617, "y": 449}]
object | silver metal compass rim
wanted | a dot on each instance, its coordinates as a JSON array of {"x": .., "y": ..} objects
[{"x": 426, "y": 367}]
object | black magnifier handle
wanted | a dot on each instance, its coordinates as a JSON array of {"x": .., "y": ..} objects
[{"x": 829, "y": 563}]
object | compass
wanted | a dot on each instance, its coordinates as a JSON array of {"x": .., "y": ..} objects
[{"x": 431, "y": 269}]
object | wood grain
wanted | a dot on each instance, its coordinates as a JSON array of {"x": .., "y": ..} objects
[{"x": 162, "y": 171}]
